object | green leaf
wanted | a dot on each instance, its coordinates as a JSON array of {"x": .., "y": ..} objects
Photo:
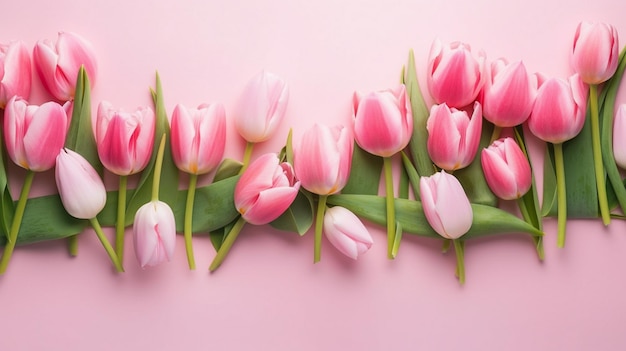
[
  {"x": 228, "y": 168},
  {"x": 403, "y": 188},
  {"x": 549, "y": 207},
  {"x": 410, "y": 170},
  {"x": 7, "y": 207},
  {"x": 365, "y": 173},
  {"x": 299, "y": 216},
  {"x": 530, "y": 200},
  {"x": 217, "y": 236}
]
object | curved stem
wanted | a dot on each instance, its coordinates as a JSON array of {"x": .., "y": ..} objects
[
  {"x": 391, "y": 211},
  {"x": 495, "y": 134},
  {"x": 227, "y": 244},
  {"x": 191, "y": 192},
  {"x": 107, "y": 246},
  {"x": 561, "y": 194},
  {"x": 120, "y": 226},
  {"x": 72, "y": 245},
  {"x": 157, "y": 170},
  {"x": 460, "y": 260},
  {"x": 597, "y": 156},
  {"x": 538, "y": 240},
  {"x": 247, "y": 154},
  {"x": 319, "y": 224},
  {"x": 17, "y": 221}
]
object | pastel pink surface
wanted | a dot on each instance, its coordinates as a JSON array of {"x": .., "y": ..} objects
[{"x": 268, "y": 295}]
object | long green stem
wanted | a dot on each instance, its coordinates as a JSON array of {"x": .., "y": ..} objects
[
  {"x": 460, "y": 260},
  {"x": 107, "y": 245},
  {"x": 561, "y": 194},
  {"x": 17, "y": 221},
  {"x": 538, "y": 240},
  {"x": 72, "y": 245},
  {"x": 391, "y": 211},
  {"x": 157, "y": 170},
  {"x": 597, "y": 156},
  {"x": 120, "y": 227},
  {"x": 191, "y": 192},
  {"x": 319, "y": 223},
  {"x": 247, "y": 154},
  {"x": 495, "y": 134},
  {"x": 227, "y": 244}
]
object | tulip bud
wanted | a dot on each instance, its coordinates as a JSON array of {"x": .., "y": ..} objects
[
  {"x": 330, "y": 151},
  {"x": 124, "y": 140},
  {"x": 595, "y": 53},
  {"x": 346, "y": 232},
  {"x": 15, "y": 73},
  {"x": 453, "y": 136},
  {"x": 154, "y": 233},
  {"x": 446, "y": 206},
  {"x": 506, "y": 169},
  {"x": 383, "y": 121},
  {"x": 82, "y": 191},
  {"x": 263, "y": 107},
  {"x": 619, "y": 136},
  {"x": 265, "y": 190},
  {"x": 34, "y": 134},
  {"x": 454, "y": 75},
  {"x": 58, "y": 64}
]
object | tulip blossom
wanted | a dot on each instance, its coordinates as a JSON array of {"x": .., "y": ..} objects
[
  {"x": 508, "y": 94},
  {"x": 619, "y": 136},
  {"x": 58, "y": 64},
  {"x": 455, "y": 76},
  {"x": 506, "y": 169},
  {"x": 81, "y": 190},
  {"x": 346, "y": 232},
  {"x": 453, "y": 136},
  {"x": 595, "y": 52},
  {"x": 154, "y": 233},
  {"x": 15, "y": 73}
]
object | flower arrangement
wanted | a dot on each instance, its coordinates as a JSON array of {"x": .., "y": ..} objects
[{"x": 458, "y": 158}]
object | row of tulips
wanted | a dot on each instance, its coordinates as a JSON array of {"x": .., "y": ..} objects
[{"x": 464, "y": 86}]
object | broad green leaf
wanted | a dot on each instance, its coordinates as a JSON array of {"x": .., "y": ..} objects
[
  {"x": 411, "y": 172},
  {"x": 364, "y": 174},
  {"x": 299, "y": 216},
  {"x": 530, "y": 200},
  {"x": 419, "y": 138},
  {"x": 228, "y": 168},
  {"x": 403, "y": 188},
  {"x": 217, "y": 236},
  {"x": 7, "y": 208}
]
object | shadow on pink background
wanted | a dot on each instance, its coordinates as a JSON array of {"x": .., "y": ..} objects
[{"x": 268, "y": 295}]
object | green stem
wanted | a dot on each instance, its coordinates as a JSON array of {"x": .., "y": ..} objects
[
  {"x": 495, "y": 134},
  {"x": 391, "y": 211},
  {"x": 107, "y": 246},
  {"x": 538, "y": 240},
  {"x": 120, "y": 227},
  {"x": 460, "y": 260},
  {"x": 72, "y": 245},
  {"x": 561, "y": 194},
  {"x": 227, "y": 244},
  {"x": 597, "y": 156},
  {"x": 157, "y": 170},
  {"x": 247, "y": 154},
  {"x": 17, "y": 221},
  {"x": 191, "y": 192},
  {"x": 319, "y": 224}
]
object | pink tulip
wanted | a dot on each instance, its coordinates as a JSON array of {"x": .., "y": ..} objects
[
  {"x": 330, "y": 150},
  {"x": 454, "y": 76},
  {"x": 446, "y": 207},
  {"x": 346, "y": 232},
  {"x": 506, "y": 169},
  {"x": 559, "y": 111},
  {"x": 198, "y": 137},
  {"x": 619, "y": 136},
  {"x": 15, "y": 73},
  {"x": 383, "y": 121},
  {"x": 154, "y": 233},
  {"x": 508, "y": 94},
  {"x": 34, "y": 134},
  {"x": 80, "y": 187},
  {"x": 124, "y": 140},
  {"x": 453, "y": 136},
  {"x": 265, "y": 190},
  {"x": 595, "y": 53},
  {"x": 262, "y": 107}
]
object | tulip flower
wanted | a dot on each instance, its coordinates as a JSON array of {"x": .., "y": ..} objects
[
  {"x": 506, "y": 169},
  {"x": 453, "y": 136},
  {"x": 619, "y": 136},
  {"x": 154, "y": 233},
  {"x": 557, "y": 116},
  {"x": 330, "y": 150},
  {"x": 346, "y": 232},
  {"x": 383, "y": 126},
  {"x": 15, "y": 73},
  {"x": 265, "y": 190},
  {"x": 58, "y": 64},
  {"x": 198, "y": 142},
  {"x": 595, "y": 53},
  {"x": 455, "y": 76}
]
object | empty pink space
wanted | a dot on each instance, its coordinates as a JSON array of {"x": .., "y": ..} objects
[{"x": 268, "y": 295}]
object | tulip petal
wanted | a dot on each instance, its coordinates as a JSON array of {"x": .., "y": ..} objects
[
  {"x": 270, "y": 204},
  {"x": 45, "y": 136}
]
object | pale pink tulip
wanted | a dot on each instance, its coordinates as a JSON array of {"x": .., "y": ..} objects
[
  {"x": 124, "y": 139},
  {"x": 346, "y": 232},
  {"x": 446, "y": 206},
  {"x": 265, "y": 190},
  {"x": 453, "y": 136},
  {"x": 323, "y": 157},
  {"x": 383, "y": 121},
  {"x": 559, "y": 111},
  {"x": 154, "y": 233},
  {"x": 595, "y": 53},
  {"x": 198, "y": 137},
  {"x": 506, "y": 169},
  {"x": 455, "y": 76},
  {"x": 508, "y": 94},
  {"x": 15, "y": 72},
  {"x": 262, "y": 107},
  {"x": 619, "y": 136},
  {"x": 81, "y": 190},
  {"x": 34, "y": 135}
]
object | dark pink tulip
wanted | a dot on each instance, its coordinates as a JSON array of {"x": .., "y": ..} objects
[
  {"x": 506, "y": 169},
  {"x": 15, "y": 72},
  {"x": 595, "y": 53}
]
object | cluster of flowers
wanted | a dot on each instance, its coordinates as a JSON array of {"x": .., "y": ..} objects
[{"x": 464, "y": 86}]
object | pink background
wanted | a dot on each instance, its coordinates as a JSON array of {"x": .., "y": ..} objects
[{"x": 268, "y": 295}]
